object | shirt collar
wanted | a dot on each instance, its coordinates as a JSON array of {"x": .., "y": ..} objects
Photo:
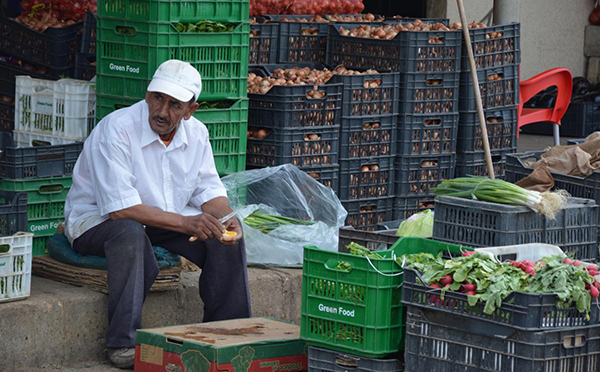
[{"x": 149, "y": 136}]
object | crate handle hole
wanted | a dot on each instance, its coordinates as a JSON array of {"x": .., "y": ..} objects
[
  {"x": 119, "y": 106},
  {"x": 174, "y": 341},
  {"x": 316, "y": 94},
  {"x": 314, "y": 175},
  {"x": 494, "y": 120},
  {"x": 338, "y": 265},
  {"x": 312, "y": 137},
  {"x": 437, "y": 40},
  {"x": 371, "y": 126},
  {"x": 494, "y": 35},
  {"x": 309, "y": 31},
  {"x": 433, "y": 122},
  {"x": 254, "y": 33},
  {"x": 368, "y": 208},
  {"x": 371, "y": 84},
  {"x": 125, "y": 30},
  {"x": 434, "y": 82},
  {"x": 429, "y": 163},
  {"x": 570, "y": 342},
  {"x": 346, "y": 362},
  {"x": 494, "y": 77},
  {"x": 369, "y": 168},
  {"x": 4, "y": 248},
  {"x": 51, "y": 189},
  {"x": 496, "y": 158}
]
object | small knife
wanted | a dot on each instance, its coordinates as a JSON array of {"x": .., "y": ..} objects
[{"x": 221, "y": 220}]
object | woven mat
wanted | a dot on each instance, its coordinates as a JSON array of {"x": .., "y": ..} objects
[{"x": 47, "y": 267}]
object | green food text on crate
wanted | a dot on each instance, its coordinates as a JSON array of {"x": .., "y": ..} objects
[
  {"x": 52, "y": 225},
  {"x": 339, "y": 310},
  {"x": 126, "y": 68}
]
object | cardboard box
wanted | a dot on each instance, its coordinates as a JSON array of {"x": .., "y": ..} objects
[{"x": 242, "y": 345}]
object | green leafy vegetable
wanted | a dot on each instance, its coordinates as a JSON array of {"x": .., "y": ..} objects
[
  {"x": 266, "y": 223},
  {"x": 359, "y": 250},
  {"x": 343, "y": 266},
  {"x": 204, "y": 26}
]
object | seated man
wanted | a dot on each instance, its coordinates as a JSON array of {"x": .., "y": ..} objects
[{"x": 147, "y": 177}]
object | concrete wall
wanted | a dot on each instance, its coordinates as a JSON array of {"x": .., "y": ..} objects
[{"x": 552, "y": 32}]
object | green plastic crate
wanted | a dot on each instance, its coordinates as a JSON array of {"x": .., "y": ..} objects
[
  {"x": 176, "y": 10},
  {"x": 228, "y": 130},
  {"x": 39, "y": 245},
  {"x": 126, "y": 63},
  {"x": 45, "y": 205},
  {"x": 360, "y": 311}
]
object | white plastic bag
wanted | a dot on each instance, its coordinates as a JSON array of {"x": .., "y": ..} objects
[{"x": 287, "y": 191}]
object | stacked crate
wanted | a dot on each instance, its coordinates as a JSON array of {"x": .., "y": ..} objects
[
  {"x": 134, "y": 38},
  {"x": 52, "y": 118},
  {"x": 296, "y": 127},
  {"x": 367, "y": 146},
  {"x": 497, "y": 57},
  {"x": 429, "y": 66}
]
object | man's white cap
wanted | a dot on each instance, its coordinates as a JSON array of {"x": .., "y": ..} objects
[{"x": 177, "y": 79}]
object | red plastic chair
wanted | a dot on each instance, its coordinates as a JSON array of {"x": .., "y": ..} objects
[{"x": 559, "y": 77}]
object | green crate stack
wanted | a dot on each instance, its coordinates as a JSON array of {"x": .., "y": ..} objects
[
  {"x": 45, "y": 205},
  {"x": 135, "y": 36}
]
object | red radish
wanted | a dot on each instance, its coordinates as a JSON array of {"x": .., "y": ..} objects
[
  {"x": 591, "y": 268},
  {"x": 593, "y": 273},
  {"x": 527, "y": 263},
  {"x": 529, "y": 270},
  {"x": 435, "y": 285},
  {"x": 597, "y": 285},
  {"x": 594, "y": 291},
  {"x": 576, "y": 263},
  {"x": 446, "y": 280},
  {"x": 470, "y": 293},
  {"x": 469, "y": 287},
  {"x": 587, "y": 286},
  {"x": 567, "y": 261}
]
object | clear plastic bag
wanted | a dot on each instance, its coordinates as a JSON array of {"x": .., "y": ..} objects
[
  {"x": 419, "y": 225},
  {"x": 287, "y": 191}
]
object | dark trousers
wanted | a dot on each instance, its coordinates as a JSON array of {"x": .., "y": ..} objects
[{"x": 132, "y": 269}]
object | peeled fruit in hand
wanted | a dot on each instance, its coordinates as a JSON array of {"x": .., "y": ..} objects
[{"x": 229, "y": 235}]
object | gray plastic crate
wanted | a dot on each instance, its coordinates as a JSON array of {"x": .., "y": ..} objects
[
  {"x": 435, "y": 342},
  {"x": 357, "y": 184},
  {"x": 424, "y": 135},
  {"x": 365, "y": 214},
  {"x": 372, "y": 240},
  {"x": 323, "y": 360},
  {"x": 501, "y": 127},
  {"x": 367, "y": 137},
  {"x": 482, "y": 224},
  {"x": 418, "y": 175},
  {"x": 264, "y": 37},
  {"x": 406, "y": 206},
  {"x": 499, "y": 88}
]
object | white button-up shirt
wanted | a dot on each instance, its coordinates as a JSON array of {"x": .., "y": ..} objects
[{"x": 124, "y": 163}]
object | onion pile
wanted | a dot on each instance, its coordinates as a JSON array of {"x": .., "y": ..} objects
[
  {"x": 260, "y": 7},
  {"x": 303, "y": 76},
  {"x": 39, "y": 15}
]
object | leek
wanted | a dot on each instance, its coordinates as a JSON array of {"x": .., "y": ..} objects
[
  {"x": 498, "y": 191},
  {"x": 266, "y": 223}
]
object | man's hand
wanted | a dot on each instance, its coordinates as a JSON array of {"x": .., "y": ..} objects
[
  {"x": 233, "y": 224},
  {"x": 204, "y": 226}
]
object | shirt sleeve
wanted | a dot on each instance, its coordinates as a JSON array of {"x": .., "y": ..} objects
[
  {"x": 112, "y": 176},
  {"x": 208, "y": 185}
]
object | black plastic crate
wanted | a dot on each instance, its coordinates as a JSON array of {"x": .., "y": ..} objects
[
  {"x": 88, "y": 37},
  {"x": 37, "y": 162},
  {"x": 501, "y": 130},
  {"x": 476, "y": 223},
  {"x": 429, "y": 94},
  {"x": 7, "y": 117},
  {"x": 372, "y": 240},
  {"x": 323, "y": 360},
  {"x": 499, "y": 88},
  {"x": 264, "y": 38},
  {"x": 493, "y": 47},
  {"x": 474, "y": 164},
  {"x": 444, "y": 343},
  {"x": 328, "y": 176},
  {"x": 580, "y": 120},
  {"x": 8, "y": 73},
  {"x": 364, "y": 138},
  {"x": 406, "y": 206},
  {"x": 290, "y": 107},
  {"x": 408, "y": 52},
  {"x": 366, "y": 178},
  {"x": 418, "y": 175},
  {"x": 297, "y": 146},
  {"x": 518, "y": 167},
  {"x": 420, "y": 135},
  {"x": 301, "y": 41},
  {"x": 85, "y": 69},
  {"x": 519, "y": 311},
  {"x": 365, "y": 214},
  {"x": 13, "y": 212},
  {"x": 55, "y": 48},
  {"x": 369, "y": 95}
]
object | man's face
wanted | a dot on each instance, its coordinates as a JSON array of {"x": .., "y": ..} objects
[{"x": 165, "y": 112}]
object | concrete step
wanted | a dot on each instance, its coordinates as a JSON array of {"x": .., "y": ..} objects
[{"x": 62, "y": 327}]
